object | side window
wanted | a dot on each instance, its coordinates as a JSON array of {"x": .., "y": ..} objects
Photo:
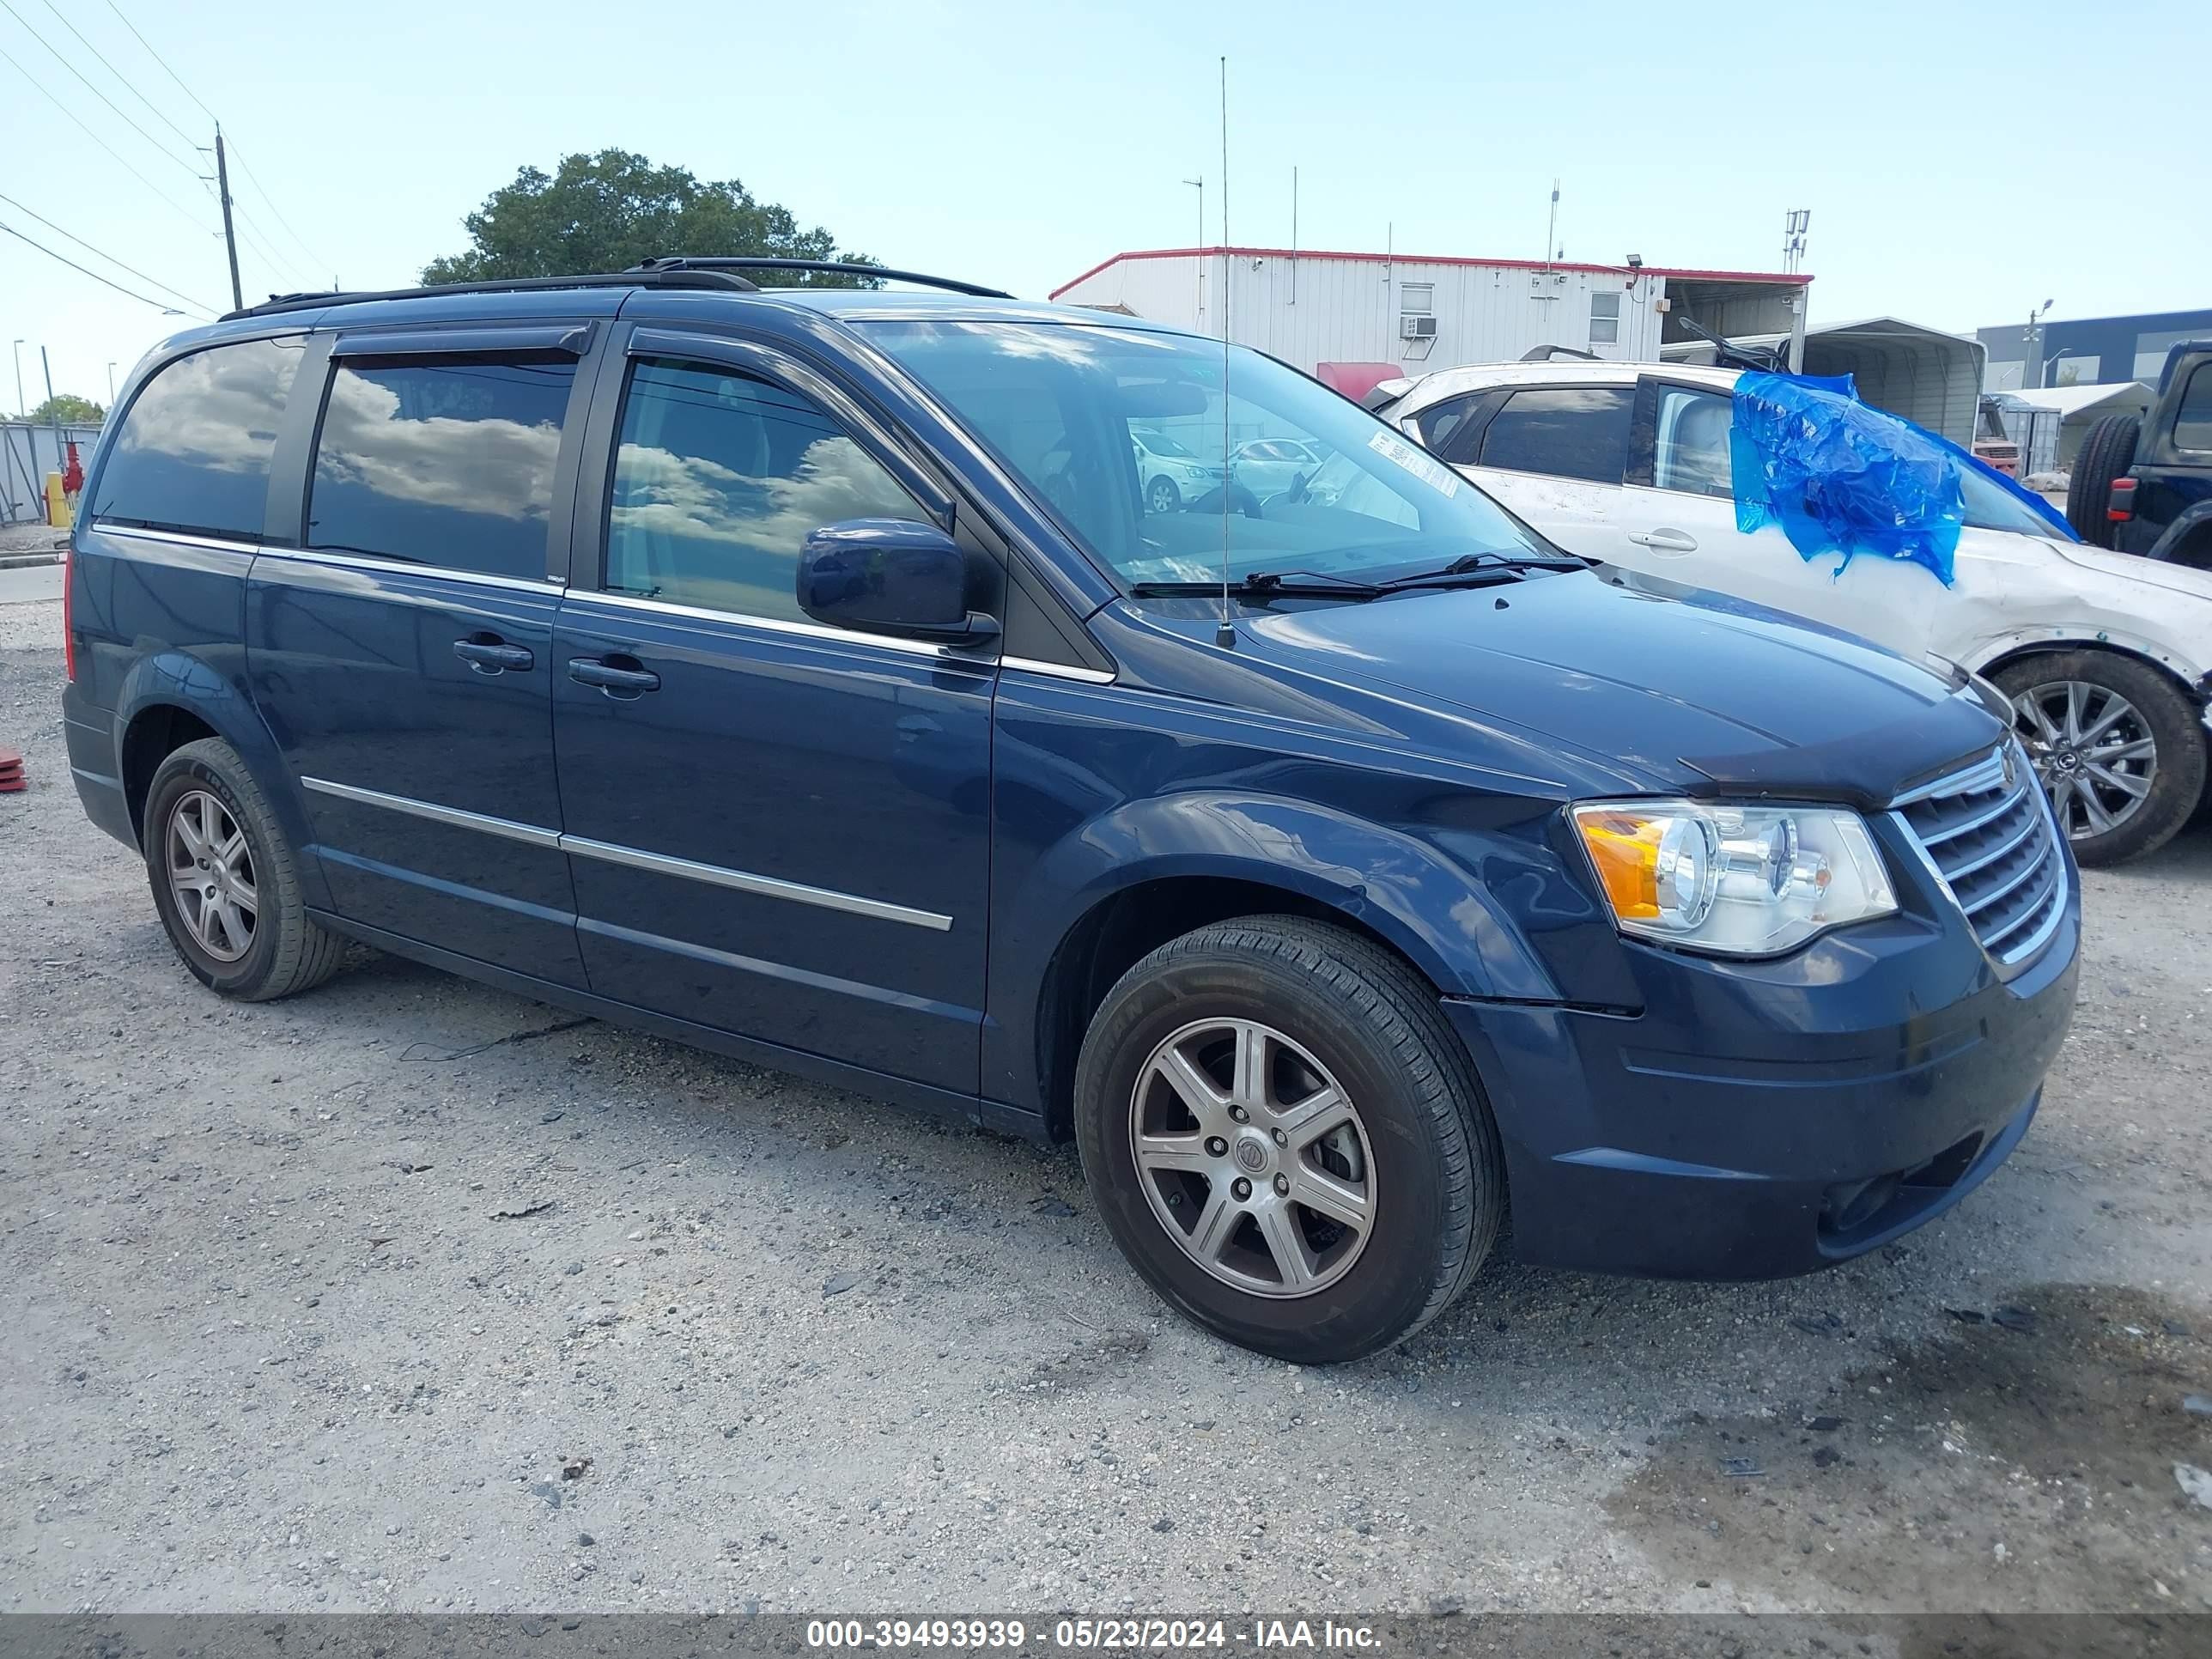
[
  {"x": 2192, "y": 418},
  {"x": 1690, "y": 445},
  {"x": 1439, "y": 421},
  {"x": 193, "y": 452},
  {"x": 718, "y": 482},
  {"x": 1605, "y": 319},
  {"x": 442, "y": 461},
  {"x": 1569, "y": 431}
]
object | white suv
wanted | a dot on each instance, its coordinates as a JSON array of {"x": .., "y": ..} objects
[{"x": 2105, "y": 656}]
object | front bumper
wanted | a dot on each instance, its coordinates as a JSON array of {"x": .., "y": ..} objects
[{"x": 1762, "y": 1118}]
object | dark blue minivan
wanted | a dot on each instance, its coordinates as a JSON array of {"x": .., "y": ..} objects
[{"x": 806, "y": 674}]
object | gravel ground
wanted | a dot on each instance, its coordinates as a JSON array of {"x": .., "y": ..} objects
[{"x": 410, "y": 1295}]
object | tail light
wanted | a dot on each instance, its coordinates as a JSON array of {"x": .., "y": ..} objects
[
  {"x": 69, "y": 619},
  {"x": 2122, "y": 505}
]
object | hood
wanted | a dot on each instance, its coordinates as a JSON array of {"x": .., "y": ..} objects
[
  {"x": 1703, "y": 695},
  {"x": 2153, "y": 574}
]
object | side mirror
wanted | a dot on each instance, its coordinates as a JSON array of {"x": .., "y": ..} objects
[{"x": 889, "y": 576}]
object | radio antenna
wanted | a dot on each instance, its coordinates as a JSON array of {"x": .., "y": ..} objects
[{"x": 1224, "y": 635}]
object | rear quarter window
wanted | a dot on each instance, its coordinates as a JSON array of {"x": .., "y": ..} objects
[
  {"x": 1568, "y": 432},
  {"x": 193, "y": 451},
  {"x": 2192, "y": 418}
]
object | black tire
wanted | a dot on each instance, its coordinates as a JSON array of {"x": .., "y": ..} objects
[
  {"x": 1161, "y": 496},
  {"x": 2106, "y": 454},
  {"x": 2167, "y": 717},
  {"x": 1438, "y": 1174},
  {"x": 286, "y": 951}
]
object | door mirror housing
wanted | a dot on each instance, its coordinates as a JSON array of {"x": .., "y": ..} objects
[{"x": 889, "y": 576}]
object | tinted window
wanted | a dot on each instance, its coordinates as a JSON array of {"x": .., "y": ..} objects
[
  {"x": 193, "y": 453},
  {"x": 2192, "y": 421},
  {"x": 1439, "y": 421},
  {"x": 1571, "y": 432},
  {"x": 445, "y": 462},
  {"x": 1690, "y": 447},
  {"x": 720, "y": 479}
]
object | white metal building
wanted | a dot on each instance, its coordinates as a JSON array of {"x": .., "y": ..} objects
[{"x": 1419, "y": 315}]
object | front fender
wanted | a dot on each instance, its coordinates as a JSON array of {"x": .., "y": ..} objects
[{"x": 1427, "y": 905}]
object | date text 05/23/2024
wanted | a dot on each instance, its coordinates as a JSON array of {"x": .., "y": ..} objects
[{"x": 1108, "y": 1635}]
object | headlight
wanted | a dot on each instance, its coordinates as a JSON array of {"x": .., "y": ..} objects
[{"x": 1747, "y": 881}]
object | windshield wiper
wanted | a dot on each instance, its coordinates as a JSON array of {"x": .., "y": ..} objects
[
  {"x": 1266, "y": 585},
  {"x": 1485, "y": 567}
]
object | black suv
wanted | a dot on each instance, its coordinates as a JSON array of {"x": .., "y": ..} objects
[{"x": 2143, "y": 483}]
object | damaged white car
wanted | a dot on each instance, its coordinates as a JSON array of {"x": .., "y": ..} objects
[{"x": 2105, "y": 657}]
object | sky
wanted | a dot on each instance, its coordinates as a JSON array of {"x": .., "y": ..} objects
[{"x": 1962, "y": 163}]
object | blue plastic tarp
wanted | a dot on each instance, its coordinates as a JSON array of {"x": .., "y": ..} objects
[{"x": 1841, "y": 478}]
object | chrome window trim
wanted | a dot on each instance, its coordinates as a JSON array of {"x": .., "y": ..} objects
[
  {"x": 369, "y": 561},
  {"x": 745, "y": 882},
  {"x": 635, "y": 858},
  {"x": 174, "y": 538},
  {"x": 508, "y": 829},
  {"x": 1059, "y": 670},
  {"x": 780, "y": 625}
]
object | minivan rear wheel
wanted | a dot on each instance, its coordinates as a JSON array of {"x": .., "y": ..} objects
[
  {"x": 226, "y": 882},
  {"x": 1286, "y": 1140}
]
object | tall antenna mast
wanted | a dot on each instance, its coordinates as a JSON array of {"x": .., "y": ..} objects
[
  {"x": 1224, "y": 635},
  {"x": 1552, "y": 229}
]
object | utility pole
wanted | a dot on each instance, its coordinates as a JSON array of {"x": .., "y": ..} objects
[
  {"x": 229, "y": 235},
  {"x": 53, "y": 409},
  {"x": 2030, "y": 368},
  {"x": 111, "y": 385},
  {"x": 22, "y": 408}
]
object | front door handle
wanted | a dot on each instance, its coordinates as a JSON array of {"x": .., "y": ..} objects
[
  {"x": 1664, "y": 541},
  {"x": 488, "y": 653},
  {"x": 611, "y": 678}
]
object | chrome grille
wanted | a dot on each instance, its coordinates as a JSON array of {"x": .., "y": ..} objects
[{"x": 1986, "y": 832}]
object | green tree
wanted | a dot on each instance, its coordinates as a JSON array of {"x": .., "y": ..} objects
[
  {"x": 69, "y": 409},
  {"x": 608, "y": 211}
]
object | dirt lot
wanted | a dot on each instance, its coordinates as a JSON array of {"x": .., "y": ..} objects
[{"x": 410, "y": 1295}]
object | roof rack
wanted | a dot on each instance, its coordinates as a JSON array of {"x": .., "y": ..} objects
[
  {"x": 640, "y": 277},
  {"x": 733, "y": 262}
]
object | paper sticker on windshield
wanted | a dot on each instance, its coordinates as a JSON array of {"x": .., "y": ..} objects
[{"x": 1433, "y": 473}]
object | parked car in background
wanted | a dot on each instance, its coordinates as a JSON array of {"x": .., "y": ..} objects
[
  {"x": 1170, "y": 473},
  {"x": 800, "y": 675},
  {"x": 1267, "y": 466},
  {"x": 2142, "y": 484},
  {"x": 2103, "y": 658}
]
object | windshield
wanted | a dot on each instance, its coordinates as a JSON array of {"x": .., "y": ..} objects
[
  {"x": 1059, "y": 404},
  {"x": 1989, "y": 505}
]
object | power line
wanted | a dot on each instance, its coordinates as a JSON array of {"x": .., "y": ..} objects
[
  {"x": 258, "y": 190},
  {"x": 73, "y": 265},
  {"x": 162, "y": 61},
  {"x": 63, "y": 18},
  {"x": 191, "y": 166},
  {"x": 48, "y": 95},
  {"x": 110, "y": 258}
]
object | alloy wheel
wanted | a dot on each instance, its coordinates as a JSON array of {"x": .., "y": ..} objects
[
  {"x": 2094, "y": 752},
  {"x": 1253, "y": 1157},
  {"x": 211, "y": 875}
]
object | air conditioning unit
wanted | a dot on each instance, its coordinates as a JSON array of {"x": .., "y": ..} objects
[{"x": 1413, "y": 327}]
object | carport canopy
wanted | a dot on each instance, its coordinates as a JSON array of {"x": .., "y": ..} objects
[{"x": 1929, "y": 375}]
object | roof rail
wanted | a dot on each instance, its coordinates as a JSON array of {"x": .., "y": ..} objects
[
  {"x": 1545, "y": 354},
  {"x": 642, "y": 277},
  {"x": 730, "y": 262}
]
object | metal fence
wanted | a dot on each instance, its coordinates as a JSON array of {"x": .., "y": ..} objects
[{"x": 28, "y": 453}]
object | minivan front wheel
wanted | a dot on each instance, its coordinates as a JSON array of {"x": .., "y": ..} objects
[
  {"x": 1286, "y": 1140},
  {"x": 225, "y": 881}
]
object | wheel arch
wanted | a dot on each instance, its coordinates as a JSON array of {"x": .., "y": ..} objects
[
  {"x": 1158, "y": 869},
  {"x": 2168, "y": 668},
  {"x": 171, "y": 698}
]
